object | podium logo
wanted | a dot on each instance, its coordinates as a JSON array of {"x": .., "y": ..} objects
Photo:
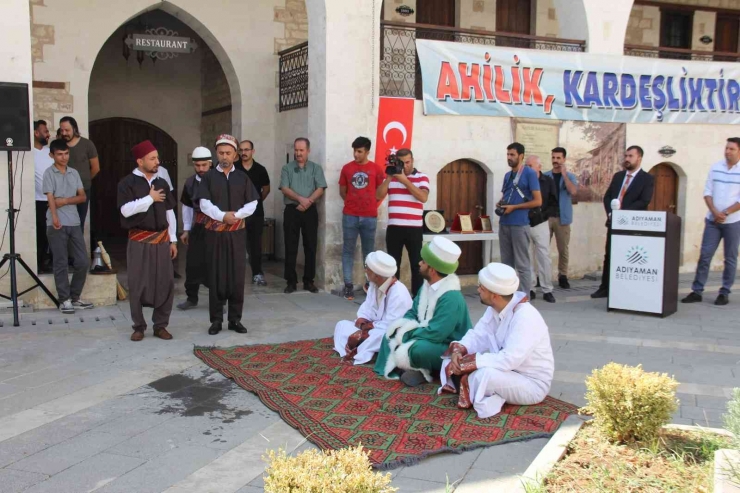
[
  {"x": 637, "y": 255},
  {"x": 623, "y": 221}
]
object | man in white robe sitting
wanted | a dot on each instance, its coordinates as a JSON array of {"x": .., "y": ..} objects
[
  {"x": 507, "y": 356},
  {"x": 387, "y": 301}
]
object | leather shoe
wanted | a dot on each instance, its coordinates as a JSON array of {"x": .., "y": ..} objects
[
  {"x": 215, "y": 328},
  {"x": 721, "y": 300},
  {"x": 563, "y": 282},
  {"x": 600, "y": 293},
  {"x": 187, "y": 305},
  {"x": 290, "y": 288},
  {"x": 413, "y": 378},
  {"x": 548, "y": 297},
  {"x": 137, "y": 335},
  {"x": 237, "y": 327},
  {"x": 532, "y": 295},
  {"x": 162, "y": 334},
  {"x": 693, "y": 297},
  {"x": 311, "y": 287}
]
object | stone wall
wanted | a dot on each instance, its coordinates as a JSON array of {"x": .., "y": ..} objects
[
  {"x": 477, "y": 14},
  {"x": 295, "y": 19},
  {"x": 643, "y": 27}
]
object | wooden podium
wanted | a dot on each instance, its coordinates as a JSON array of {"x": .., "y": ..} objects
[{"x": 644, "y": 261}]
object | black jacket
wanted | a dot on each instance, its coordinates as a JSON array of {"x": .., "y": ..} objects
[
  {"x": 539, "y": 215},
  {"x": 638, "y": 196}
]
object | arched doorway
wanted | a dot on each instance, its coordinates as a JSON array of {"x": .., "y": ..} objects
[
  {"x": 114, "y": 138},
  {"x": 461, "y": 188},
  {"x": 665, "y": 196}
]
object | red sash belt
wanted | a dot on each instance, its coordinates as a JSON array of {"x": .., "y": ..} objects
[
  {"x": 152, "y": 237},
  {"x": 200, "y": 218},
  {"x": 221, "y": 227}
]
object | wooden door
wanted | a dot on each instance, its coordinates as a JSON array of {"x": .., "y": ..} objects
[
  {"x": 513, "y": 16},
  {"x": 114, "y": 138},
  {"x": 665, "y": 196},
  {"x": 436, "y": 13},
  {"x": 461, "y": 188},
  {"x": 726, "y": 36}
]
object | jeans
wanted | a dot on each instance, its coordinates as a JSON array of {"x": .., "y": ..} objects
[
  {"x": 255, "y": 225},
  {"x": 82, "y": 209},
  {"x": 351, "y": 227},
  {"x": 713, "y": 233},
  {"x": 295, "y": 224},
  {"x": 68, "y": 243},
  {"x": 514, "y": 245},
  {"x": 397, "y": 237}
]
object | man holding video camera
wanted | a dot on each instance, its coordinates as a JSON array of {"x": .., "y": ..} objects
[
  {"x": 520, "y": 193},
  {"x": 409, "y": 191}
]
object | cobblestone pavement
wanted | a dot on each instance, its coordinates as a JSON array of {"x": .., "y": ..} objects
[{"x": 84, "y": 409}]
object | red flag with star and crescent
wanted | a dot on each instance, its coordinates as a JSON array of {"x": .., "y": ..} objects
[{"x": 395, "y": 127}]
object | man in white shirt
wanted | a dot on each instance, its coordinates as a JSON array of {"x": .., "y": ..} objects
[
  {"x": 507, "y": 356},
  {"x": 722, "y": 196},
  {"x": 387, "y": 301},
  {"x": 42, "y": 160}
]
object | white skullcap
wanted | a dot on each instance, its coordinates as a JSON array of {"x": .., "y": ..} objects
[
  {"x": 201, "y": 154},
  {"x": 381, "y": 263},
  {"x": 499, "y": 278}
]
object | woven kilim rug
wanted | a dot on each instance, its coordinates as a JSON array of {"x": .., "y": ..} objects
[{"x": 335, "y": 405}]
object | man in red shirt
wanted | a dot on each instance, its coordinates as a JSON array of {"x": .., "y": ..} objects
[{"x": 358, "y": 183}]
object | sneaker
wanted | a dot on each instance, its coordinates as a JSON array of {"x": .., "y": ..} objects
[
  {"x": 66, "y": 307},
  {"x": 349, "y": 292},
  {"x": 259, "y": 280},
  {"x": 548, "y": 297},
  {"x": 721, "y": 300},
  {"x": 693, "y": 297},
  {"x": 600, "y": 293},
  {"x": 82, "y": 305},
  {"x": 187, "y": 305},
  {"x": 563, "y": 282}
]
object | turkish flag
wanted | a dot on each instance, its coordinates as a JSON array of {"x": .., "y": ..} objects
[{"x": 395, "y": 127}]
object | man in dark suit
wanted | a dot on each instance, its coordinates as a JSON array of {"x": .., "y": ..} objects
[{"x": 633, "y": 187}]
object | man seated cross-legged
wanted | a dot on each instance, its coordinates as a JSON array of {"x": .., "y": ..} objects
[
  {"x": 413, "y": 345},
  {"x": 387, "y": 301},
  {"x": 507, "y": 356}
]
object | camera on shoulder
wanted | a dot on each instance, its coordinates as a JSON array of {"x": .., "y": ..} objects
[{"x": 393, "y": 165}]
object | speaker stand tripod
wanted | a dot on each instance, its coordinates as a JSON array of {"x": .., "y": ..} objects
[{"x": 13, "y": 257}]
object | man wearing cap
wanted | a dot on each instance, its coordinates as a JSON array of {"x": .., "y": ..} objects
[
  {"x": 227, "y": 198},
  {"x": 413, "y": 346},
  {"x": 147, "y": 212},
  {"x": 194, "y": 233},
  {"x": 387, "y": 301},
  {"x": 507, "y": 357}
]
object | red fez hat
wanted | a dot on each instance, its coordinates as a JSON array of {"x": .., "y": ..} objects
[{"x": 142, "y": 149}]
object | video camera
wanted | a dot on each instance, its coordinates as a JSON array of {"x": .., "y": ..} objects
[{"x": 393, "y": 165}]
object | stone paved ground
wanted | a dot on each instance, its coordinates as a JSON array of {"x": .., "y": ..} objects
[{"x": 84, "y": 409}]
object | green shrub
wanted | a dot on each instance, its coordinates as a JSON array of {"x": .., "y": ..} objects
[
  {"x": 732, "y": 417},
  {"x": 337, "y": 471},
  {"x": 629, "y": 404}
]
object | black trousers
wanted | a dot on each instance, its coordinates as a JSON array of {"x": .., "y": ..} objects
[
  {"x": 255, "y": 224},
  {"x": 397, "y": 237},
  {"x": 295, "y": 224},
  {"x": 196, "y": 262},
  {"x": 227, "y": 267},
  {"x": 42, "y": 243},
  {"x": 607, "y": 261}
]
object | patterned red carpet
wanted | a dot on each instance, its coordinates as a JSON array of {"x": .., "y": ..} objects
[{"x": 335, "y": 405}]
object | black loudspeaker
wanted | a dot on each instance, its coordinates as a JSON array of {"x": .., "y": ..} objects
[{"x": 15, "y": 123}]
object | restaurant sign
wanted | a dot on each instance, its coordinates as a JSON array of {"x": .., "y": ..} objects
[{"x": 156, "y": 43}]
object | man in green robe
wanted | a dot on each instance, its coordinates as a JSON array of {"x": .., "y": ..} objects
[{"x": 413, "y": 346}]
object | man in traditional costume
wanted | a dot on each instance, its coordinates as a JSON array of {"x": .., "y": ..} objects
[
  {"x": 227, "y": 198},
  {"x": 387, "y": 301},
  {"x": 507, "y": 357},
  {"x": 194, "y": 231},
  {"x": 413, "y": 346},
  {"x": 147, "y": 212}
]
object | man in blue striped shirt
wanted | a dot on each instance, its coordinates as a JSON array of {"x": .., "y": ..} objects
[{"x": 722, "y": 196}]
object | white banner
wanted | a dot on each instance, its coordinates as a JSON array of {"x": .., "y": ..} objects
[{"x": 470, "y": 79}]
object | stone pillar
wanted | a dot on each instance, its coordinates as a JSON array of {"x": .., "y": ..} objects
[
  {"x": 602, "y": 24},
  {"x": 343, "y": 86}
]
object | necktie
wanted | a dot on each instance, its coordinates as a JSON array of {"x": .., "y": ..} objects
[{"x": 624, "y": 187}]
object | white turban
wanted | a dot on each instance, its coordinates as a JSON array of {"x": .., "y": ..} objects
[
  {"x": 381, "y": 263},
  {"x": 499, "y": 278}
]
